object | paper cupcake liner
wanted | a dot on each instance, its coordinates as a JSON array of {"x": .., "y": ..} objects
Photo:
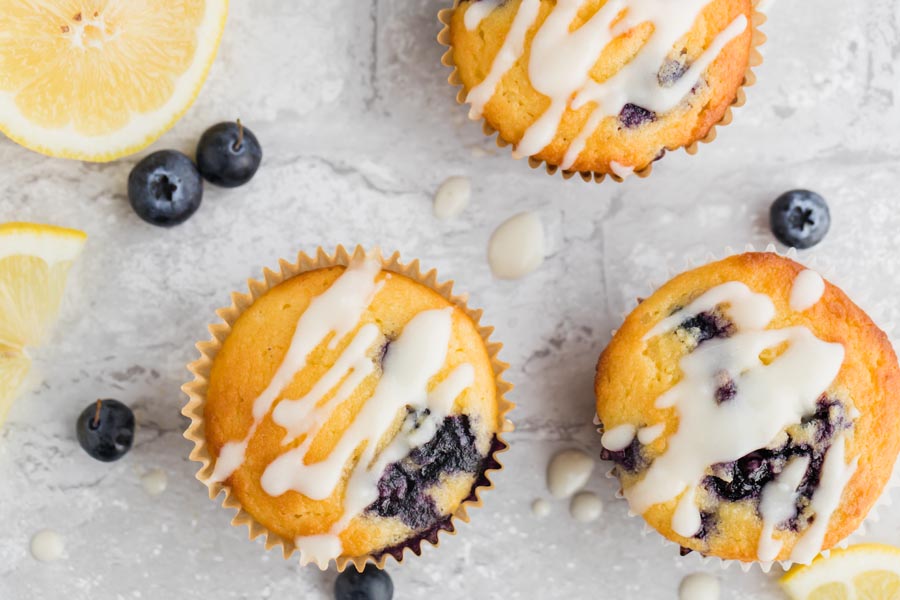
[
  {"x": 890, "y": 488},
  {"x": 197, "y": 388},
  {"x": 757, "y": 20}
]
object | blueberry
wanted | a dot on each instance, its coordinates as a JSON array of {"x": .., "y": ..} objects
[
  {"x": 105, "y": 430},
  {"x": 371, "y": 584},
  {"x": 402, "y": 488},
  {"x": 633, "y": 116},
  {"x": 228, "y": 154},
  {"x": 708, "y": 325},
  {"x": 800, "y": 218},
  {"x": 165, "y": 188},
  {"x": 631, "y": 458}
]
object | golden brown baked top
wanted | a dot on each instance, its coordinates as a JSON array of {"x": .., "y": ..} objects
[
  {"x": 601, "y": 86},
  {"x": 768, "y": 392},
  {"x": 355, "y": 443}
]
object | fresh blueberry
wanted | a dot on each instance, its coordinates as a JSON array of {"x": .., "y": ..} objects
[
  {"x": 633, "y": 116},
  {"x": 165, "y": 188},
  {"x": 228, "y": 154},
  {"x": 800, "y": 218},
  {"x": 371, "y": 584},
  {"x": 105, "y": 430}
]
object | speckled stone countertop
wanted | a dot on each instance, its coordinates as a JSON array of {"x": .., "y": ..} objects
[{"x": 359, "y": 128}]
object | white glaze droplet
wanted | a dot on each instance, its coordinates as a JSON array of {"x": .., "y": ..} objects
[
  {"x": 452, "y": 197},
  {"x": 699, "y": 586},
  {"x": 540, "y": 508},
  {"x": 516, "y": 247},
  {"x": 618, "y": 438},
  {"x": 648, "y": 435},
  {"x": 764, "y": 5},
  {"x": 778, "y": 504},
  {"x": 586, "y": 507},
  {"x": 47, "y": 545},
  {"x": 768, "y": 399},
  {"x": 155, "y": 481},
  {"x": 477, "y": 11},
  {"x": 836, "y": 474},
  {"x": 807, "y": 290},
  {"x": 568, "y": 472}
]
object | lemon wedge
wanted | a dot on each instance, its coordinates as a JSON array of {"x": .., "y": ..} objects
[
  {"x": 99, "y": 79},
  {"x": 862, "y": 572},
  {"x": 34, "y": 264}
]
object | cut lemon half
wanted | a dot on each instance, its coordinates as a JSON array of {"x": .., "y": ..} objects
[
  {"x": 34, "y": 264},
  {"x": 863, "y": 572},
  {"x": 99, "y": 79}
]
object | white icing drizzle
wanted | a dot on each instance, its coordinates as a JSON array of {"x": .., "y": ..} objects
[
  {"x": 764, "y": 5},
  {"x": 618, "y": 169},
  {"x": 560, "y": 62},
  {"x": 477, "y": 11},
  {"x": 336, "y": 311},
  {"x": 768, "y": 398},
  {"x": 778, "y": 504},
  {"x": 618, "y": 438},
  {"x": 511, "y": 50},
  {"x": 807, "y": 290},
  {"x": 648, "y": 435},
  {"x": 414, "y": 358},
  {"x": 836, "y": 474}
]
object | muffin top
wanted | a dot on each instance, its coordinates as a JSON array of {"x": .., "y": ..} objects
[
  {"x": 351, "y": 410},
  {"x": 751, "y": 410},
  {"x": 601, "y": 86}
]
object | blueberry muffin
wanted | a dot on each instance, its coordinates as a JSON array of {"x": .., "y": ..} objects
[
  {"x": 751, "y": 410},
  {"x": 600, "y": 86},
  {"x": 349, "y": 413}
]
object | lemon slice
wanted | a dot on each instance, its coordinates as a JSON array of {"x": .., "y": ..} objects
[
  {"x": 99, "y": 79},
  {"x": 863, "y": 572},
  {"x": 34, "y": 263}
]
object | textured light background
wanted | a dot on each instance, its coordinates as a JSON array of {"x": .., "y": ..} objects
[{"x": 359, "y": 128}]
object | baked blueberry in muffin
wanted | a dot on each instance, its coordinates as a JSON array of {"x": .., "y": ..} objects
[
  {"x": 597, "y": 86},
  {"x": 751, "y": 410},
  {"x": 350, "y": 412}
]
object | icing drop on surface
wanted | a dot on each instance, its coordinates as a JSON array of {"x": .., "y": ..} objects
[
  {"x": 155, "y": 481},
  {"x": 511, "y": 50},
  {"x": 699, "y": 586},
  {"x": 47, "y": 545},
  {"x": 568, "y": 472},
  {"x": 618, "y": 438},
  {"x": 836, "y": 474},
  {"x": 619, "y": 169},
  {"x": 586, "y": 507},
  {"x": 768, "y": 397},
  {"x": 516, "y": 247},
  {"x": 648, "y": 435},
  {"x": 336, "y": 311},
  {"x": 807, "y": 290},
  {"x": 540, "y": 508},
  {"x": 778, "y": 504},
  {"x": 560, "y": 62},
  {"x": 477, "y": 11},
  {"x": 453, "y": 195}
]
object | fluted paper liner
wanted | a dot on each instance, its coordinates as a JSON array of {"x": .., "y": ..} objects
[
  {"x": 890, "y": 488},
  {"x": 196, "y": 391},
  {"x": 755, "y": 59}
]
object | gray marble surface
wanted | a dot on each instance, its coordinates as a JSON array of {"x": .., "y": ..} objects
[{"x": 359, "y": 128}]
